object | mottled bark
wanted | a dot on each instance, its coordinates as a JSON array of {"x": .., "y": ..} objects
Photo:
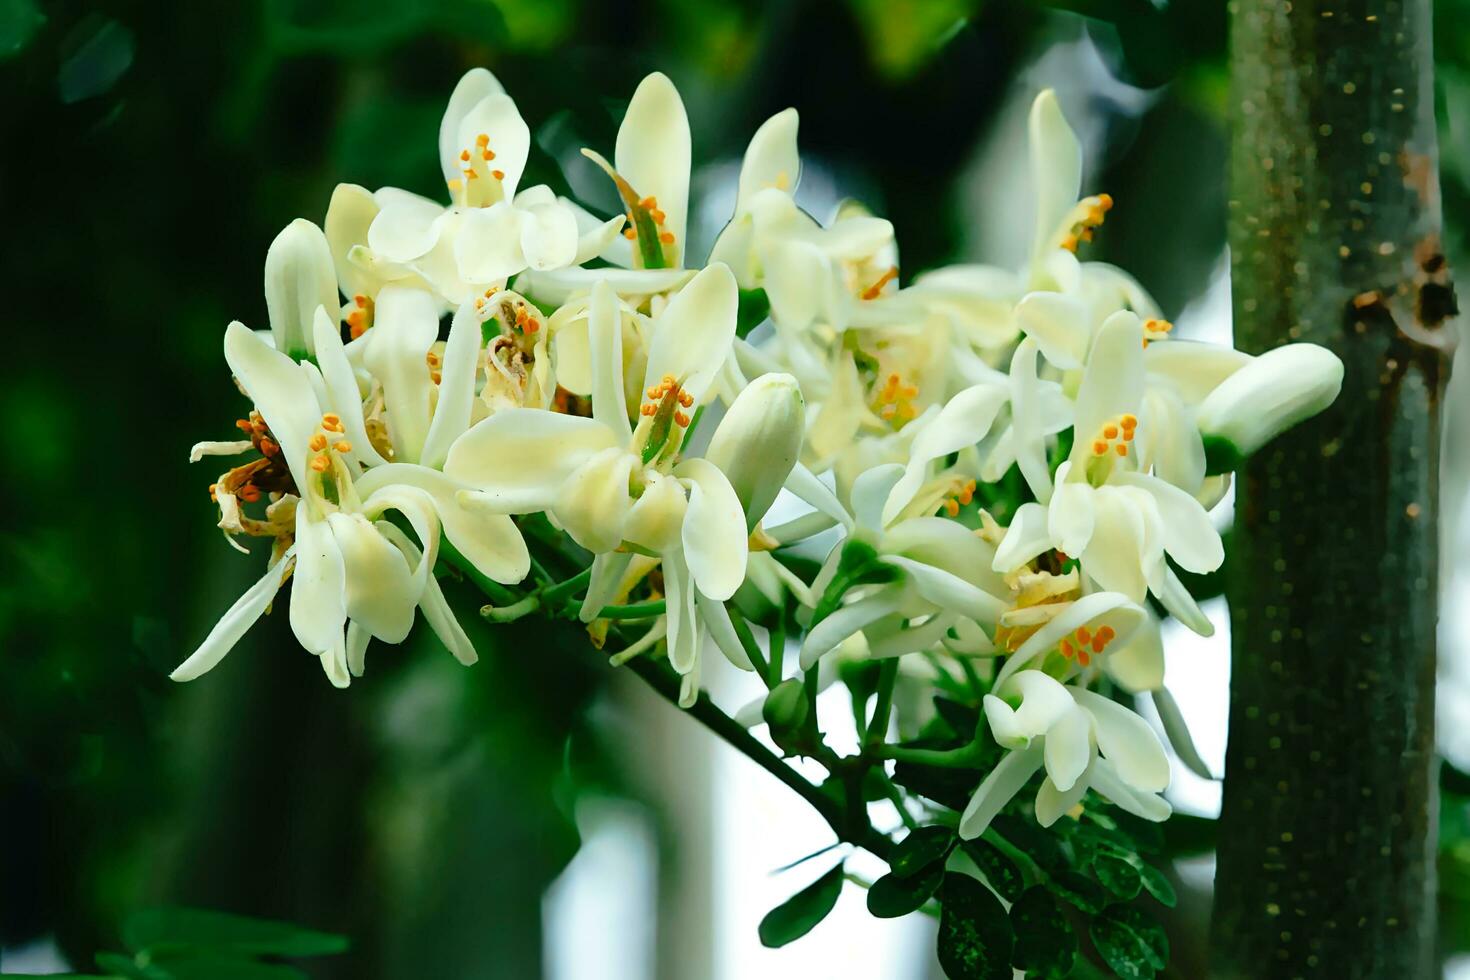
[{"x": 1325, "y": 854}]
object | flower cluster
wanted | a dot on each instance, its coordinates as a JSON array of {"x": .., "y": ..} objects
[{"x": 598, "y": 383}]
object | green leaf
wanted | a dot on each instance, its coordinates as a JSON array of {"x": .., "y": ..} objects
[
  {"x": 19, "y": 22},
  {"x": 1046, "y": 946},
  {"x": 942, "y": 784},
  {"x": 1130, "y": 942},
  {"x": 173, "y": 928},
  {"x": 1077, "y": 889},
  {"x": 921, "y": 849},
  {"x": 96, "y": 53},
  {"x": 892, "y": 896},
  {"x": 962, "y": 718},
  {"x": 974, "y": 932},
  {"x": 999, "y": 870},
  {"x": 800, "y": 913},
  {"x": 1039, "y": 844},
  {"x": 1156, "y": 883},
  {"x": 755, "y": 306},
  {"x": 1117, "y": 874}
]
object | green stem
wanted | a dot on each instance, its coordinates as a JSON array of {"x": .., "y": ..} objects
[
  {"x": 659, "y": 676},
  {"x": 553, "y": 595},
  {"x": 747, "y": 642},
  {"x": 965, "y": 757},
  {"x": 497, "y": 594},
  {"x": 637, "y": 610},
  {"x": 878, "y": 728},
  {"x": 778, "y": 649}
]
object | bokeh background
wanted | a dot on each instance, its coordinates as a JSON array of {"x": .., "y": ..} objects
[{"x": 538, "y": 814}]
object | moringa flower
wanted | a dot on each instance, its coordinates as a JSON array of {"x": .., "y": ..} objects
[{"x": 1082, "y": 740}]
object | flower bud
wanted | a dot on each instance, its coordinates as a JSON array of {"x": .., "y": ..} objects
[
  {"x": 299, "y": 277},
  {"x": 1265, "y": 398},
  {"x": 758, "y": 440},
  {"x": 786, "y": 711}
]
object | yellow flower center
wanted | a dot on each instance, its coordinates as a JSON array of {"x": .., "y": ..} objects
[
  {"x": 895, "y": 400},
  {"x": 1086, "y": 218},
  {"x": 1115, "y": 436}
]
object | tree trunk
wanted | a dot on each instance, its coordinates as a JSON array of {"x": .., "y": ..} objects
[{"x": 1326, "y": 839}]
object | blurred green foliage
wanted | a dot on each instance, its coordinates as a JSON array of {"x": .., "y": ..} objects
[{"x": 151, "y": 152}]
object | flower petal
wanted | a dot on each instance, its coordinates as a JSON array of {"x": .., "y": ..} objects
[
  {"x": 656, "y": 520},
  {"x": 488, "y": 246},
  {"x": 1043, "y": 702},
  {"x": 485, "y": 536},
  {"x": 716, "y": 544},
  {"x": 437, "y": 614},
  {"x": 679, "y": 601},
  {"x": 1056, "y": 168},
  {"x": 520, "y": 457},
  {"x": 1107, "y": 782},
  {"x": 1112, "y": 384},
  {"x": 380, "y": 585},
  {"x": 870, "y": 493},
  {"x": 1070, "y": 517},
  {"x": 456, "y": 387},
  {"x": 771, "y": 159},
  {"x": 605, "y": 346},
  {"x": 349, "y": 216},
  {"x": 1138, "y": 665},
  {"x": 963, "y": 421},
  {"x": 1068, "y": 749},
  {"x": 593, "y": 501},
  {"x": 1027, "y": 537},
  {"x": 997, "y": 789},
  {"x": 406, "y": 227},
  {"x": 692, "y": 337},
  {"x": 407, "y": 324},
  {"x": 1190, "y": 537},
  {"x": 549, "y": 237},
  {"x": 235, "y": 622},
  {"x": 280, "y": 391},
  {"x": 1177, "y": 732},
  {"x": 653, "y": 151},
  {"x": 949, "y": 592},
  {"x": 1127, "y": 741},
  {"x": 341, "y": 384},
  {"x": 318, "y": 586},
  {"x": 497, "y": 117},
  {"x": 1053, "y": 803},
  {"x": 839, "y": 625},
  {"x": 473, "y": 88},
  {"x": 1060, "y": 325},
  {"x": 1029, "y": 424},
  {"x": 716, "y": 620}
]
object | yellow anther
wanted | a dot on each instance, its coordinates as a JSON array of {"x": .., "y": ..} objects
[
  {"x": 630, "y": 233},
  {"x": 318, "y": 443},
  {"x": 680, "y": 419},
  {"x": 483, "y": 140},
  {"x": 342, "y": 446},
  {"x": 321, "y": 463},
  {"x": 667, "y": 237},
  {"x": 876, "y": 289},
  {"x": 498, "y": 174}
]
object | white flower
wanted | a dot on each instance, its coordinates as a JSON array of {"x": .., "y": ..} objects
[
  {"x": 1118, "y": 520},
  {"x": 299, "y": 279},
  {"x": 1081, "y": 738},
  {"x": 942, "y": 568},
  {"x": 619, "y": 490},
  {"x": 1269, "y": 395},
  {"x": 489, "y": 231},
  {"x": 351, "y": 568},
  {"x": 650, "y": 169}
]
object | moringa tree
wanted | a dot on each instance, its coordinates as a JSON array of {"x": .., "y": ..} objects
[{"x": 1326, "y": 842}]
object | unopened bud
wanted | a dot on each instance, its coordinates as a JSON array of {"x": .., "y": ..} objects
[
  {"x": 1265, "y": 398},
  {"x": 758, "y": 440},
  {"x": 299, "y": 277}
]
